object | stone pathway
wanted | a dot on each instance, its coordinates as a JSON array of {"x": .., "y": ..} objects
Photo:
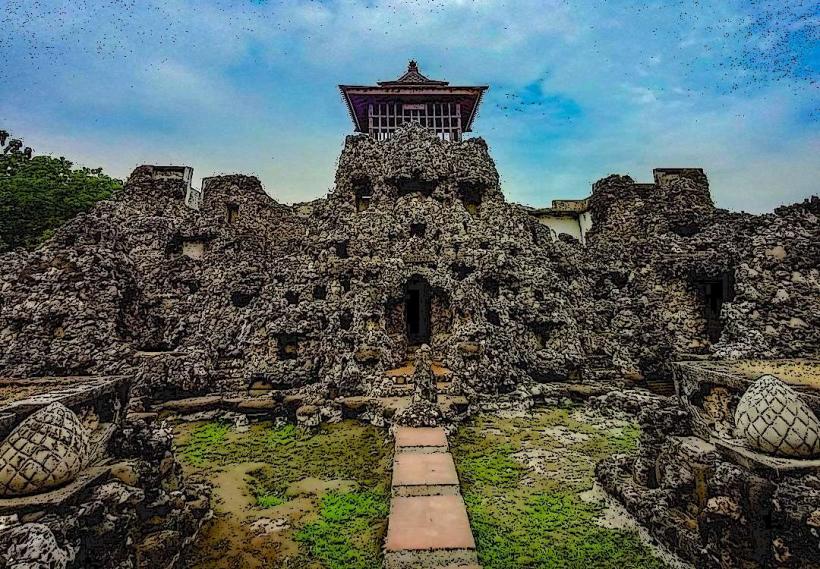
[{"x": 428, "y": 525}]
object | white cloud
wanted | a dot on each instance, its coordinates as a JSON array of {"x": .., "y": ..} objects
[{"x": 233, "y": 86}]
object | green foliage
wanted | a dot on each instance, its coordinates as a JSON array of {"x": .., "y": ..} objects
[
  {"x": 346, "y": 534},
  {"x": 332, "y": 485},
  {"x": 39, "y": 194},
  {"x": 268, "y": 500}
]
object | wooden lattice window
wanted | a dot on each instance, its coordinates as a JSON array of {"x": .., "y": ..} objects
[{"x": 444, "y": 119}]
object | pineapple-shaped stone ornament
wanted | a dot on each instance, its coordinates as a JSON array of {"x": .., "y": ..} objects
[
  {"x": 47, "y": 449},
  {"x": 773, "y": 418}
]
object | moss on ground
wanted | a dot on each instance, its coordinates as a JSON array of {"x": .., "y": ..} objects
[
  {"x": 522, "y": 481},
  {"x": 342, "y": 537},
  {"x": 331, "y": 527}
]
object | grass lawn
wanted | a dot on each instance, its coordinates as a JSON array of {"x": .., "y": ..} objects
[{"x": 528, "y": 486}]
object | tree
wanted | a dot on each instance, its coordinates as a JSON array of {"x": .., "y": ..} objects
[{"x": 40, "y": 193}]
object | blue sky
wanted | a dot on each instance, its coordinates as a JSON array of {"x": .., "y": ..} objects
[{"x": 578, "y": 89}]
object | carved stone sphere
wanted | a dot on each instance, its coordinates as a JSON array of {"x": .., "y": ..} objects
[
  {"x": 47, "y": 449},
  {"x": 773, "y": 419}
]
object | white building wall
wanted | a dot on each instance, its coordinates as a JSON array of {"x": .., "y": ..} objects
[{"x": 562, "y": 224}]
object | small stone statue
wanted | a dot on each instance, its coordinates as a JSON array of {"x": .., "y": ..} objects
[{"x": 423, "y": 377}]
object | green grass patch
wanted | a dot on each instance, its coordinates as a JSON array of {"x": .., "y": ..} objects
[
  {"x": 333, "y": 529},
  {"x": 533, "y": 517},
  {"x": 203, "y": 441},
  {"x": 269, "y": 500},
  {"x": 493, "y": 467},
  {"x": 348, "y": 531}
]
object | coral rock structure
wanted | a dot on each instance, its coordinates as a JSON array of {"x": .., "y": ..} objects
[{"x": 195, "y": 291}]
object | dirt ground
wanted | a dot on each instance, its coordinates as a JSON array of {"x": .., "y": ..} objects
[{"x": 284, "y": 498}]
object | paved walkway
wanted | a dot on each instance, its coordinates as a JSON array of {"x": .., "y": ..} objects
[{"x": 428, "y": 526}]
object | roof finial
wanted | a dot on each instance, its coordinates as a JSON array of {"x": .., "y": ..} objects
[{"x": 412, "y": 66}]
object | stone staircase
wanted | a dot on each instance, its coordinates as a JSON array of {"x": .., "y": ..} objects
[
  {"x": 661, "y": 386},
  {"x": 598, "y": 367},
  {"x": 428, "y": 525}
]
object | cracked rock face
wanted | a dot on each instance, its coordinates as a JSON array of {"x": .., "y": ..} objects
[
  {"x": 32, "y": 546},
  {"x": 47, "y": 449},
  {"x": 772, "y": 418}
]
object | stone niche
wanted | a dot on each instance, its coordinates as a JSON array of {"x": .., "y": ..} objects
[
  {"x": 713, "y": 292},
  {"x": 406, "y": 186},
  {"x": 194, "y": 248},
  {"x": 471, "y": 195},
  {"x": 363, "y": 193},
  {"x": 287, "y": 347}
]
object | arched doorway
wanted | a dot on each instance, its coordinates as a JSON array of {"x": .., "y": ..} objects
[{"x": 417, "y": 311}]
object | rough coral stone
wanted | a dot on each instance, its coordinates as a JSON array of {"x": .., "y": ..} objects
[
  {"x": 772, "y": 418},
  {"x": 47, "y": 449}
]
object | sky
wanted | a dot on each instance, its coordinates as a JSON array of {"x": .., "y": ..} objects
[{"x": 579, "y": 89}]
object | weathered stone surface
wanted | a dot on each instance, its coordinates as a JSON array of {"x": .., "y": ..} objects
[
  {"x": 195, "y": 301},
  {"x": 32, "y": 546},
  {"x": 47, "y": 449},
  {"x": 772, "y": 418}
]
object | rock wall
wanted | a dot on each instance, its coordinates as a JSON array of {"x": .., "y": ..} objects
[
  {"x": 662, "y": 244},
  {"x": 243, "y": 288},
  {"x": 703, "y": 503}
]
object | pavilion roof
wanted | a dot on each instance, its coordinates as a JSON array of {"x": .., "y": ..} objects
[
  {"x": 412, "y": 77},
  {"x": 412, "y": 87}
]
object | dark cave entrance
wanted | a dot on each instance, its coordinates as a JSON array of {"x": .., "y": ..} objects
[
  {"x": 417, "y": 311},
  {"x": 713, "y": 293}
]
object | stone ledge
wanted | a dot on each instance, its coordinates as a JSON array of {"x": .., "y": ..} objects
[
  {"x": 55, "y": 498},
  {"x": 763, "y": 463}
]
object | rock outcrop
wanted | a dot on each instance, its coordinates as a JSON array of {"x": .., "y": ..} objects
[{"x": 203, "y": 291}]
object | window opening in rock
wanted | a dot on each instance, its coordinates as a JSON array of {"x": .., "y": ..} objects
[
  {"x": 241, "y": 299},
  {"x": 345, "y": 320},
  {"x": 363, "y": 192},
  {"x": 233, "y": 213},
  {"x": 319, "y": 292},
  {"x": 713, "y": 293},
  {"x": 418, "y": 229},
  {"x": 491, "y": 287},
  {"x": 461, "y": 271},
  {"x": 292, "y": 297},
  {"x": 288, "y": 347},
  {"x": 685, "y": 229},
  {"x": 417, "y": 311},
  {"x": 470, "y": 194},
  {"x": 341, "y": 249},
  {"x": 408, "y": 186}
]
